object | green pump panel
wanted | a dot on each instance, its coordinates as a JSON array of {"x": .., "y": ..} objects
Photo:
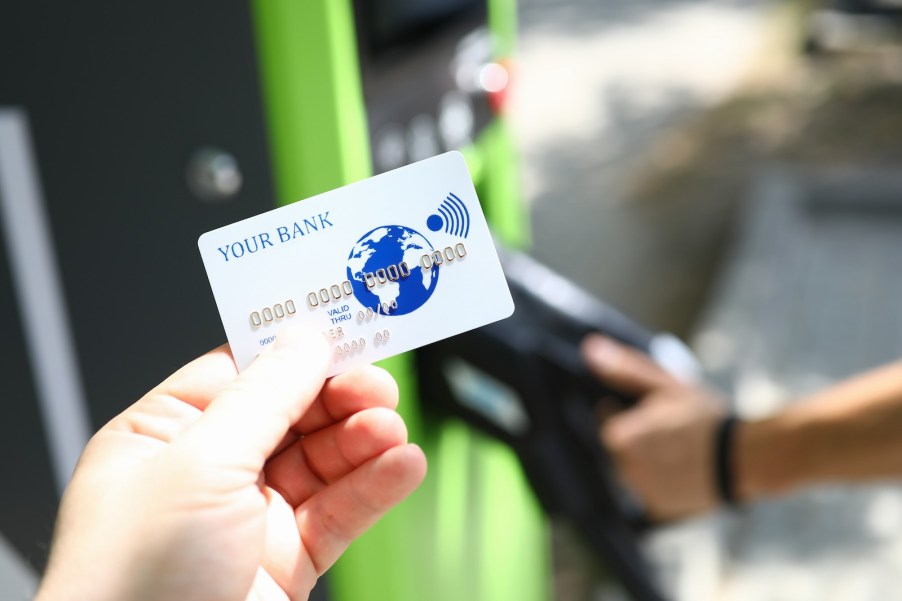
[{"x": 473, "y": 530}]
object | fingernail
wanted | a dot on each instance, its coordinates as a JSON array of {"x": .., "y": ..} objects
[{"x": 600, "y": 349}]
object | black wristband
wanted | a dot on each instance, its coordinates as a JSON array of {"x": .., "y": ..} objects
[{"x": 723, "y": 460}]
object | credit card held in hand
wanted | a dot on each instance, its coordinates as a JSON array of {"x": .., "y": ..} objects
[{"x": 381, "y": 266}]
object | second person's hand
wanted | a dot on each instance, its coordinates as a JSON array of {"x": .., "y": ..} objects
[{"x": 662, "y": 447}]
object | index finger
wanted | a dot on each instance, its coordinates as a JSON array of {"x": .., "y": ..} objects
[
  {"x": 347, "y": 393},
  {"x": 623, "y": 368}
]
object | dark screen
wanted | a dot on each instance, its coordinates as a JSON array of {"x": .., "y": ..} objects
[{"x": 389, "y": 23}]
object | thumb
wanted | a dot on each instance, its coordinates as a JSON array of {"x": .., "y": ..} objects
[
  {"x": 623, "y": 368},
  {"x": 246, "y": 420}
]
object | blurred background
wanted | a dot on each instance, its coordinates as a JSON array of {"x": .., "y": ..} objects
[
  {"x": 725, "y": 170},
  {"x": 730, "y": 171}
]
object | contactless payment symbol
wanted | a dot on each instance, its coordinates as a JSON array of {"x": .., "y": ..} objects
[{"x": 452, "y": 216}]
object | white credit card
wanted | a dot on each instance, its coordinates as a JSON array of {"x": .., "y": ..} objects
[{"x": 381, "y": 266}]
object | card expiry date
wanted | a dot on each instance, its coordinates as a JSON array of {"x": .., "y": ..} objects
[{"x": 381, "y": 266}]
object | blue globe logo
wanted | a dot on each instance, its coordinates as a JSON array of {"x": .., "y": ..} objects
[{"x": 382, "y": 251}]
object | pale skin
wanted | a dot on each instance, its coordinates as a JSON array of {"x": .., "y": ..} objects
[
  {"x": 224, "y": 486},
  {"x": 663, "y": 447}
]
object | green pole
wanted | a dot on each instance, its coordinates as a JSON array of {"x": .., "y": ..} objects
[{"x": 473, "y": 530}]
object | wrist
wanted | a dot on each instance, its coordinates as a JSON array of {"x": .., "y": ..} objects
[
  {"x": 766, "y": 459},
  {"x": 55, "y": 587},
  {"x": 75, "y": 574}
]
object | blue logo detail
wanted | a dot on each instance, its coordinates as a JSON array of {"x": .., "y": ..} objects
[
  {"x": 378, "y": 256},
  {"x": 452, "y": 216}
]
